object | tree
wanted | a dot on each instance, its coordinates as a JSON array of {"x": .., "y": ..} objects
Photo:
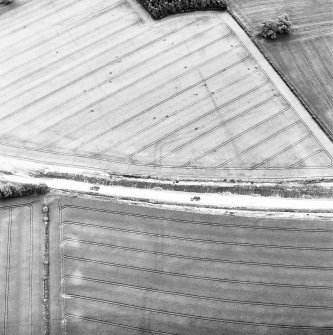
[
  {"x": 273, "y": 27},
  {"x": 161, "y": 8}
]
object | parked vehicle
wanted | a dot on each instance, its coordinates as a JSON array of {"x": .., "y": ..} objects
[{"x": 94, "y": 188}]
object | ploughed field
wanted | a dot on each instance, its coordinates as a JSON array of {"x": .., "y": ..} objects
[
  {"x": 100, "y": 85},
  {"x": 306, "y": 58},
  {"x": 125, "y": 269},
  {"x": 21, "y": 274},
  {"x": 134, "y": 270}
]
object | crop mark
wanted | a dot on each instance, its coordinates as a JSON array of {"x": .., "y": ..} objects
[
  {"x": 77, "y": 51},
  {"x": 31, "y": 260},
  {"x": 194, "y": 120},
  {"x": 197, "y": 317},
  {"x": 114, "y": 324},
  {"x": 292, "y": 145},
  {"x": 319, "y": 55},
  {"x": 87, "y": 75},
  {"x": 102, "y": 66},
  {"x": 83, "y": 36},
  {"x": 213, "y": 149},
  {"x": 160, "y": 102},
  {"x": 126, "y": 87},
  {"x": 9, "y": 209},
  {"x": 203, "y": 223},
  {"x": 184, "y": 108},
  {"x": 178, "y": 111},
  {"x": 67, "y": 5},
  {"x": 24, "y": 10},
  {"x": 7, "y": 270},
  {"x": 197, "y": 277},
  {"x": 203, "y": 259},
  {"x": 93, "y": 72},
  {"x": 268, "y": 138},
  {"x": 322, "y": 84},
  {"x": 311, "y": 155},
  {"x": 187, "y": 295},
  {"x": 217, "y": 127},
  {"x": 77, "y": 24},
  {"x": 197, "y": 240}
]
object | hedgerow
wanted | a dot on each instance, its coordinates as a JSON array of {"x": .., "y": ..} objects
[
  {"x": 19, "y": 190},
  {"x": 161, "y": 8}
]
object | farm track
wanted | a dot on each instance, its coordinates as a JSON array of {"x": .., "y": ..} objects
[
  {"x": 111, "y": 91},
  {"x": 158, "y": 276},
  {"x": 303, "y": 58}
]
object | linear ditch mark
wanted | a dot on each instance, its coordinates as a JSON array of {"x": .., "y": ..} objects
[
  {"x": 77, "y": 24},
  {"x": 113, "y": 324},
  {"x": 155, "y": 88},
  {"x": 196, "y": 277},
  {"x": 197, "y": 317},
  {"x": 86, "y": 75},
  {"x": 210, "y": 112},
  {"x": 82, "y": 36},
  {"x": 280, "y": 152},
  {"x": 311, "y": 155},
  {"x": 196, "y": 240},
  {"x": 166, "y": 100},
  {"x": 25, "y": 11},
  {"x": 67, "y": 5},
  {"x": 281, "y": 75},
  {"x": 216, "y": 147},
  {"x": 268, "y": 138},
  {"x": 203, "y": 223},
  {"x": 159, "y": 103},
  {"x": 201, "y": 259},
  {"x": 7, "y": 271},
  {"x": 160, "y": 121},
  {"x": 131, "y": 84},
  {"x": 31, "y": 262},
  {"x": 188, "y": 295},
  {"x": 46, "y": 270},
  {"x": 206, "y": 133},
  {"x": 81, "y": 49},
  {"x": 94, "y": 87}
]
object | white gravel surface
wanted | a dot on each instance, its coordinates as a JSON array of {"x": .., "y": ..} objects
[{"x": 229, "y": 201}]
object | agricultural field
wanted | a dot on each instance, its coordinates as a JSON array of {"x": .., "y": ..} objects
[
  {"x": 21, "y": 264},
  {"x": 134, "y": 270},
  {"x": 100, "y": 85},
  {"x": 306, "y": 57}
]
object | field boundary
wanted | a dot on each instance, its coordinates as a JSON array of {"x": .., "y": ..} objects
[
  {"x": 239, "y": 19},
  {"x": 46, "y": 270}
]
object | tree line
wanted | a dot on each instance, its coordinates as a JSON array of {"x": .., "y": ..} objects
[
  {"x": 161, "y": 8},
  {"x": 19, "y": 190}
]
